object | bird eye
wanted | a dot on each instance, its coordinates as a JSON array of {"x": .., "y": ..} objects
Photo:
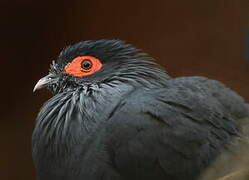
[
  {"x": 83, "y": 66},
  {"x": 86, "y": 64}
]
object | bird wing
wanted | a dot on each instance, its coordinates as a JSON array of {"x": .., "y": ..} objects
[{"x": 170, "y": 133}]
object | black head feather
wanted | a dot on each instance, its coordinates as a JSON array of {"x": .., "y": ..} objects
[{"x": 121, "y": 63}]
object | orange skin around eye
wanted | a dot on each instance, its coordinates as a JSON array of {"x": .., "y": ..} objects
[{"x": 74, "y": 68}]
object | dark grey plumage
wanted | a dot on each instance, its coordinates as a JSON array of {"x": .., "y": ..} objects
[{"x": 130, "y": 120}]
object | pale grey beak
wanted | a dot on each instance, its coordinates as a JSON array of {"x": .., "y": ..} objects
[{"x": 43, "y": 82}]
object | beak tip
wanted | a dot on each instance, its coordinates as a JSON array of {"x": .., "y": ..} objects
[
  {"x": 37, "y": 86},
  {"x": 43, "y": 82}
]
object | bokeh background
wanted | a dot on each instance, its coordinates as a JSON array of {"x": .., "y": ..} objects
[{"x": 187, "y": 37}]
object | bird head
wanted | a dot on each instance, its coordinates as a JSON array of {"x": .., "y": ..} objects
[{"x": 100, "y": 62}]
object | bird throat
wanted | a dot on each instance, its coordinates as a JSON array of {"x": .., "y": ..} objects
[{"x": 71, "y": 119}]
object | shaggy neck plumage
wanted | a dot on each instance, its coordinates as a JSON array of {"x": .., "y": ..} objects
[{"x": 71, "y": 117}]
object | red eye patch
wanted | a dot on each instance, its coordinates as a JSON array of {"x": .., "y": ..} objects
[{"x": 83, "y": 66}]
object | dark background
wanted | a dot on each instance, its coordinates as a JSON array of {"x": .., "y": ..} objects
[{"x": 187, "y": 37}]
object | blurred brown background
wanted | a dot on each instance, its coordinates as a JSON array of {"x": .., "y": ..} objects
[{"x": 188, "y": 37}]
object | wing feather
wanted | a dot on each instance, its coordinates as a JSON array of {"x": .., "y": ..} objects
[{"x": 173, "y": 132}]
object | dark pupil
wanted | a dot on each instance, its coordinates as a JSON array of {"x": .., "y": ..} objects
[{"x": 86, "y": 64}]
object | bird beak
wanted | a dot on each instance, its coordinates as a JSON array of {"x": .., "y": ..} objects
[{"x": 43, "y": 82}]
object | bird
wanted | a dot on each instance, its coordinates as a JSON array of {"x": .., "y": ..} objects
[{"x": 116, "y": 114}]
